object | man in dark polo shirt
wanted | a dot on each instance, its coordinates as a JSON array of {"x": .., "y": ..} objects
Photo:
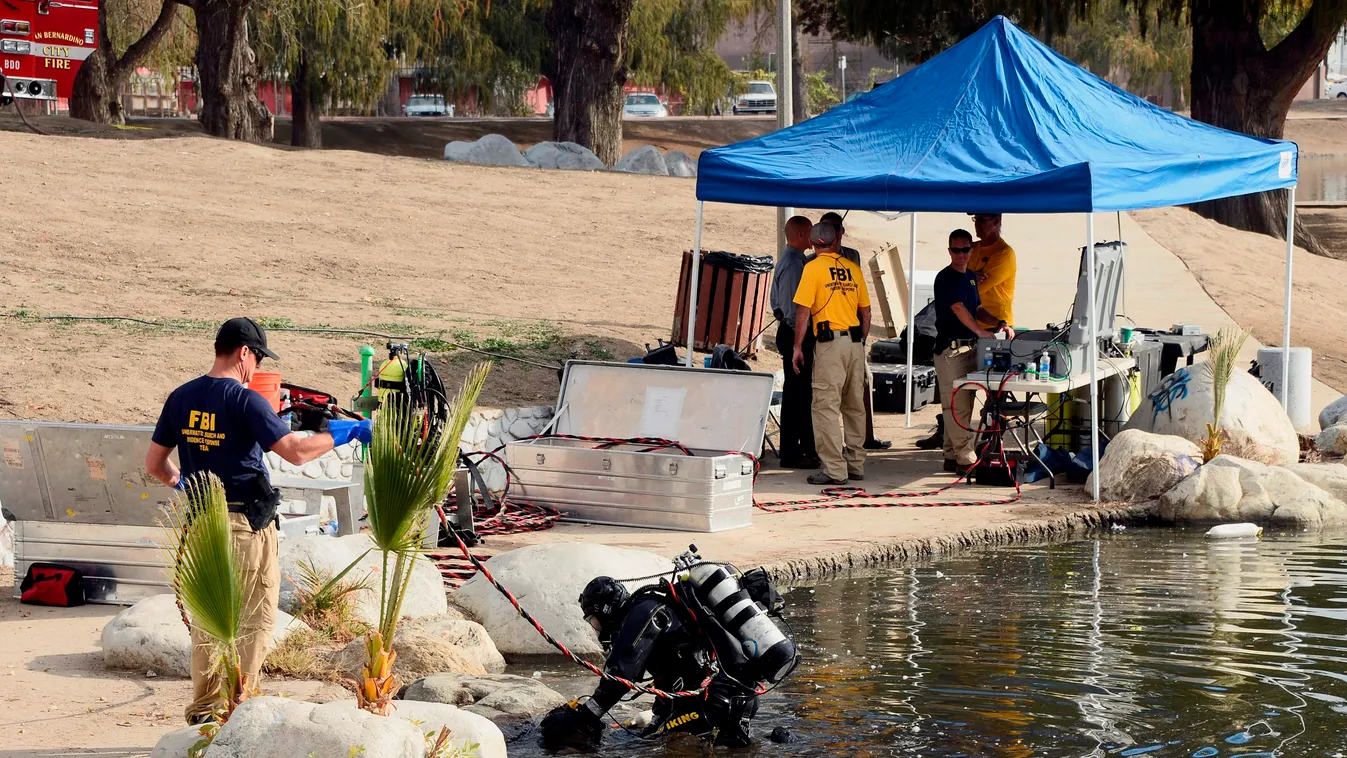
[
  {"x": 958, "y": 309},
  {"x": 219, "y": 425}
]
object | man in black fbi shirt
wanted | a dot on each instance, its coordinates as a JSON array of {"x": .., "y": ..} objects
[{"x": 220, "y": 426}]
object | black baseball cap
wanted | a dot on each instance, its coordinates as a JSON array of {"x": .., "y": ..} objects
[{"x": 243, "y": 332}]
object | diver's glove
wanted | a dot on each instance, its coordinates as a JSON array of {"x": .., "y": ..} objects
[
  {"x": 344, "y": 431},
  {"x": 572, "y": 726}
]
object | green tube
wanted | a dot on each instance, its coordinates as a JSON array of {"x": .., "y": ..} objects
[{"x": 366, "y": 366}]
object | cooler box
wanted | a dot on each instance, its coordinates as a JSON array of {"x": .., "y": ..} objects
[
  {"x": 889, "y": 387},
  {"x": 712, "y": 412}
]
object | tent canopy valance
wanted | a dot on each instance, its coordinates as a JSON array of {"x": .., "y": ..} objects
[{"x": 998, "y": 123}]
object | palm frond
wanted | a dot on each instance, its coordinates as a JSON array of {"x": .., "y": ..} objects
[
  {"x": 204, "y": 573},
  {"x": 406, "y": 475},
  {"x": 1223, "y": 351}
]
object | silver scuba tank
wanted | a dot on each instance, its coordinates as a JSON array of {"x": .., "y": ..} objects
[{"x": 770, "y": 652}]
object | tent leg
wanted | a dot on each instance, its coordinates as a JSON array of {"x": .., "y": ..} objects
[
  {"x": 1092, "y": 353},
  {"x": 1286, "y": 324},
  {"x": 911, "y": 310},
  {"x": 692, "y": 293},
  {"x": 1122, "y": 259}
]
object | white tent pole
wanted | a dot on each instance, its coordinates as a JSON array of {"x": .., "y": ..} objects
[
  {"x": 692, "y": 291},
  {"x": 911, "y": 310},
  {"x": 1286, "y": 325},
  {"x": 1092, "y": 350},
  {"x": 1122, "y": 260}
]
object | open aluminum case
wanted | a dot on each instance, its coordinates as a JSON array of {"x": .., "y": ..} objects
[
  {"x": 712, "y": 412},
  {"x": 81, "y": 498}
]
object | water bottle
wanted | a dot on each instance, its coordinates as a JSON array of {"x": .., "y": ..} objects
[
  {"x": 1045, "y": 365},
  {"x": 987, "y": 358}
]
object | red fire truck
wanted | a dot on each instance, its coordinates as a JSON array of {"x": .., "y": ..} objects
[{"x": 42, "y": 45}]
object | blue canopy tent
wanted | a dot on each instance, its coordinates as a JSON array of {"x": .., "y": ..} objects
[{"x": 999, "y": 123}]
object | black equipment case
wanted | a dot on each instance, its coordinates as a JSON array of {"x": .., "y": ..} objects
[{"x": 890, "y": 387}]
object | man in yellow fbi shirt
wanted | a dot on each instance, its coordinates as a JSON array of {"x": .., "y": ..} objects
[
  {"x": 832, "y": 295},
  {"x": 993, "y": 261}
]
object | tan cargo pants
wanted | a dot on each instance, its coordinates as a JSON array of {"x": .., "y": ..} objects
[
  {"x": 839, "y": 406},
  {"x": 256, "y": 553},
  {"x": 951, "y": 365}
]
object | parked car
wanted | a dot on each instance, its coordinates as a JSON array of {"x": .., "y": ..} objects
[
  {"x": 643, "y": 105},
  {"x": 1337, "y": 88},
  {"x": 760, "y": 98},
  {"x": 427, "y": 105}
]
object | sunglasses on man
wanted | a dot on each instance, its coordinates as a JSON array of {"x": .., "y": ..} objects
[{"x": 961, "y": 250}]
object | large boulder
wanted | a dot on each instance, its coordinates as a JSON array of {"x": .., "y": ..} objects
[
  {"x": 1334, "y": 414},
  {"x": 680, "y": 163},
  {"x": 567, "y": 156},
  {"x": 1332, "y": 439},
  {"x": 466, "y": 728},
  {"x": 1252, "y": 417},
  {"x": 1231, "y": 489},
  {"x": 331, "y": 555},
  {"x": 150, "y": 636},
  {"x": 419, "y": 655},
  {"x": 490, "y": 150},
  {"x": 645, "y": 159},
  {"x": 1329, "y": 477},
  {"x": 493, "y": 696},
  {"x": 547, "y": 579},
  {"x": 469, "y": 637},
  {"x": 1142, "y": 466},
  {"x": 274, "y": 727}
]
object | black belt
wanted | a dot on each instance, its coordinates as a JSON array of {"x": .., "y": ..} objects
[{"x": 838, "y": 332}]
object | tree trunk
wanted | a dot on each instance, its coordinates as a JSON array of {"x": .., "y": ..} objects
[
  {"x": 227, "y": 73},
  {"x": 95, "y": 96},
  {"x": 589, "y": 39},
  {"x": 307, "y": 129},
  {"x": 799, "y": 87},
  {"x": 1238, "y": 84},
  {"x": 96, "y": 93}
]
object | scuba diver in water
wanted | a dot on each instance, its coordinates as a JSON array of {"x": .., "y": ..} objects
[{"x": 707, "y": 621}]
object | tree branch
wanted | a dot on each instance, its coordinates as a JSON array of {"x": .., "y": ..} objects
[
  {"x": 1297, "y": 55},
  {"x": 148, "y": 41}
]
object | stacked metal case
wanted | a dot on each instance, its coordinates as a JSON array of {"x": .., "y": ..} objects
[{"x": 717, "y": 415}]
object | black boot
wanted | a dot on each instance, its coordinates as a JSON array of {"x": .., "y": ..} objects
[{"x": 937, "y": 440}]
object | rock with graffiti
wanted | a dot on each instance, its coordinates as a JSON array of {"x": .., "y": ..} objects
[{"x": 1253, "y": 418}]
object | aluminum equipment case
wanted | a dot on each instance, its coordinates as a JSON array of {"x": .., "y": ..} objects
[
  {"x": 81, "y": 498},
  {"x": 713, "y": 413}
]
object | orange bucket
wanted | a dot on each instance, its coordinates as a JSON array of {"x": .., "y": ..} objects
[{"x": 268, "y": 385}]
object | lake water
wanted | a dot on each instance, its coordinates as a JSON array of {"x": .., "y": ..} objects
[
  {"x": 1323, "y": 178},
  {"x": 1153, "y": 643}
]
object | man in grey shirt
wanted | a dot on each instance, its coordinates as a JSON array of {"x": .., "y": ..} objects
[
  {"x": 854, "y": 255},
  {"x": 797, "y": 394}
]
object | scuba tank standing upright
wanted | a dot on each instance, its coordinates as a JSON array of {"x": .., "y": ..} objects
[{"x": 771, "y": 655}]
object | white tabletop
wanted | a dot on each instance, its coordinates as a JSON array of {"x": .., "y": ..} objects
[{"x": 1107, "y": 367}]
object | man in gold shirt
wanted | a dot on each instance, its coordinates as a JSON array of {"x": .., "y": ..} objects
[
  {"x": 993, "y": 262},
  {"x": 832, "y": 294}
]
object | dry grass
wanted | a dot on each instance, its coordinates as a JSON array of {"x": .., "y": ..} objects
[
  {"x": 304, "y": 654},
  {"x": 327, "y": 603},
  {"x": 1248, "y": 450}
]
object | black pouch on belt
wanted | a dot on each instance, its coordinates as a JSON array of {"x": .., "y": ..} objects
[
  {"x": 855, "y": 333},
  {"x": 261, "y": 507},
  {"x": 825, "y": 332}
]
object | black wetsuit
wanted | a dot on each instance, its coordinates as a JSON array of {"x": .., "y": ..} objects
[{"x": 654, "y": 641}]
